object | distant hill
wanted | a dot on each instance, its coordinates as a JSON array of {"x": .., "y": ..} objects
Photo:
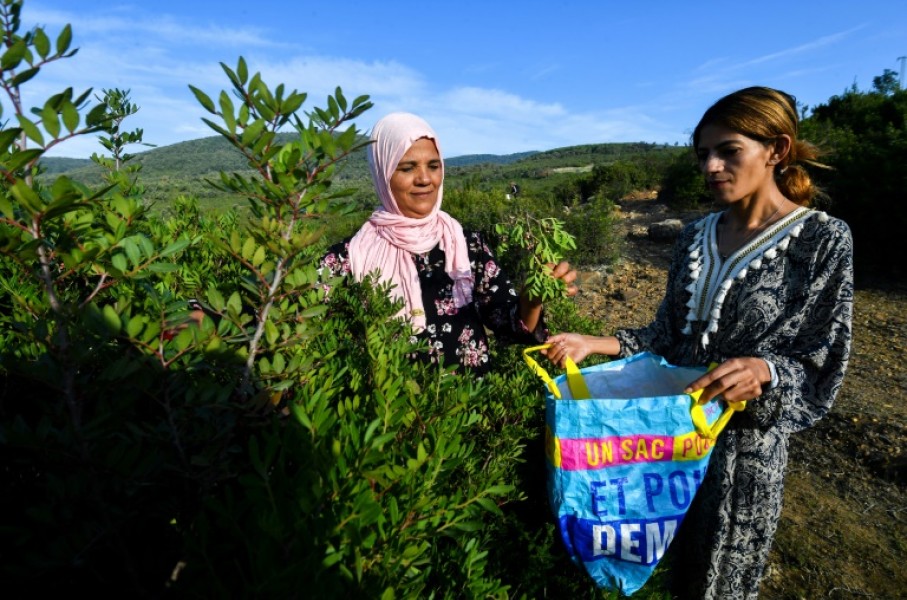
[
  {"x": 210, "y": 155},
  {"x": 184, "y": 168},
  {"x": 492, "y": 159}
]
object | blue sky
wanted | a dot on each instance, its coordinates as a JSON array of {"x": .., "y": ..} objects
[{"x": 491, "y": 77}]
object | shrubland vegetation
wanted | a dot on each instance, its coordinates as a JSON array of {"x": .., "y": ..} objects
[{"x": 280, "y": 445}]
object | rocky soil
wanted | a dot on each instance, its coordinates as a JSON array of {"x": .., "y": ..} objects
[{"x": 843, "y": 532}]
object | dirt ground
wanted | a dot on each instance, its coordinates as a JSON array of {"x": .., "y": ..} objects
[{"x": 843, "y": 532}]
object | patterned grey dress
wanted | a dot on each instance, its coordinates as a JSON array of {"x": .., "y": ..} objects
[{"x": 787, "y": 296}]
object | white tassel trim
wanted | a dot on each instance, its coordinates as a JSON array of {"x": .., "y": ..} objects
[
  {"x": 823, "y": 217},
  {"x": 756, "y": 264},
  {"x": 687, "y": 330},
  {"x": 770, "y": 254},
  {"x": 713, "y": 327},
  {"x": 795, "y": 232},
  {"x": 742, "y": 274},
  {"x": 783, "y": 244},
  {"x": 691, "y": 303},
  {"x": 705, "y": 340}
]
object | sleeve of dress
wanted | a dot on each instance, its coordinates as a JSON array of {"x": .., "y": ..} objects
[
  {"x": 496, "y": 299},
  {"x": 334, "y": 264},
  {"x": 660, "y": 335},
  {"x": 811, "y": 366}
]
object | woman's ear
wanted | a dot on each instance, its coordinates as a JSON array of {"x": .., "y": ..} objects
[{"x": 781, "y": 148}]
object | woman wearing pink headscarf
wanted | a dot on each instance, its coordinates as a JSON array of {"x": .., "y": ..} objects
[{"x": 450, "y": 283}]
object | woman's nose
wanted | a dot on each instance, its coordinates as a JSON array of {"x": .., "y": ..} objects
[
  {"x": 710, "y": 164},
  {"x": 422, "y": 177}
]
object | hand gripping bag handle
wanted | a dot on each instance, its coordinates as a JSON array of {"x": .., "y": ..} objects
[
  {"x": 580, "y": 391},
  {"x": 575, "y": 381}
]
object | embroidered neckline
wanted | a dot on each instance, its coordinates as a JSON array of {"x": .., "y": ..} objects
[{"x": 707, "y": 268}]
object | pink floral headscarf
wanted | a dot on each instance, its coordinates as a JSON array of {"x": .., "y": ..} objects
[{"x": 388, "y": 239}]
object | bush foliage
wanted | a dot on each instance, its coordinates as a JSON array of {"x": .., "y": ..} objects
[{"x": 262, "y": 441}]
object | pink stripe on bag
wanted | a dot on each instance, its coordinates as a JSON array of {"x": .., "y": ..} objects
[{"x": 586, "y": 454}]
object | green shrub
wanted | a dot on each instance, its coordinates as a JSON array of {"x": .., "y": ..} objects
[{"x": 683, "y": 185}]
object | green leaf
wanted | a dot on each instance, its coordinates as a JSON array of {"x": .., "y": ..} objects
[
  {"x": 314, "y": 311},
  {"x": 41, "y": 42},
  {"x": 50, "y": 120},
  {"x": 119, "y": 262},
  {"x": 215, "y": 299},
  {"x": 8, "y": 137},
  {"x": 227, "y": 110},
  {"x": 96, "y": 116},
  {"x": 332, "y": 559},
  {"x": 259, "y": 256},
  {"x": 271, "y": 332},
  {"x": 13, "y": 56},
  {"x": 132, "y": 251},
  {"x": 64, "y": 39},
  {"x": 24, "y": 76},
  {"x": 242, "y": 71},
  {"x": 6, "y": 207},
  {"x": 27, "y": 197},
  {"x": 31, "y": 130},
  {"x": 279, "y": 363},
  {"x": 112, "y": 319},
  {"x": 252, "y": 131},
  {"x": 70, "y": 116},
  {"x": 135, "y": 326},
  {"x": 499, "y": 490},
  {"x": 174, "y": 247},
  {"x": 204, "y": 100},
  {"x": 489, "y": 505},
  {"x": 248, "y": 249},
  {"x": 163, "y": 267},
  {"x": 235, "y": 303}
]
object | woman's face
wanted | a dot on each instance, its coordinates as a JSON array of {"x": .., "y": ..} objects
[
  {"x": 735, "y": 166},
  {"x": 417, "y": 179}
]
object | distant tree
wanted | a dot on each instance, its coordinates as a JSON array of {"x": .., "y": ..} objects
[
  {"x": 682, "y": 184},
  {"x": 865, "y": 136},
  {"x": 886, "y": 83}
]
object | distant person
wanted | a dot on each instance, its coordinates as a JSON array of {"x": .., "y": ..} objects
[
  {"x": 451, "y": 285},
  {"x": 514, "y": 189},
  {"x": 764, "y": 288}
]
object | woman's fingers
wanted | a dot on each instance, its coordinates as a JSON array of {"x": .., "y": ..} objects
[
  {"x": 735, "y": 380},
  {"x": 567, "y": 274},
  {"x": 564, "y": 345}
]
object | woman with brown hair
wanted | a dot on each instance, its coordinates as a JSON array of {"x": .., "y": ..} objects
[{"x": 764, "y": 289}]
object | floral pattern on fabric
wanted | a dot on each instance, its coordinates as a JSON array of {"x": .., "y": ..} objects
[
  {"x": 794, "y": 307},
  {"x": 459, "y": 335}
]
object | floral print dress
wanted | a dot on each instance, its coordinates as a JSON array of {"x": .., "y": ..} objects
[
  {"x": 787, "y": 296},
  {"x": 459, "y": 335}
]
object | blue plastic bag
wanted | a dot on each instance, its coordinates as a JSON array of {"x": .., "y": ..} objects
[{"x": 627, "y": 451}]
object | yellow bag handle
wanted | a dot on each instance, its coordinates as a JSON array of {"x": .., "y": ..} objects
[
  {"x": 702, "y": 426},
  {"x": 698, "y": 415},
  {"x": 580, "y": 391},
  {"x": 575, "y": 380}
]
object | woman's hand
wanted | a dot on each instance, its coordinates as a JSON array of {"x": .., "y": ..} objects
[
  {"x": 531, "y": 308},
  {"x": 578, "y": 347},
  {"x": 735, "y": 380},
  {"x": 567, "y": 274},
  {"x": 564, "y": 345}
]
